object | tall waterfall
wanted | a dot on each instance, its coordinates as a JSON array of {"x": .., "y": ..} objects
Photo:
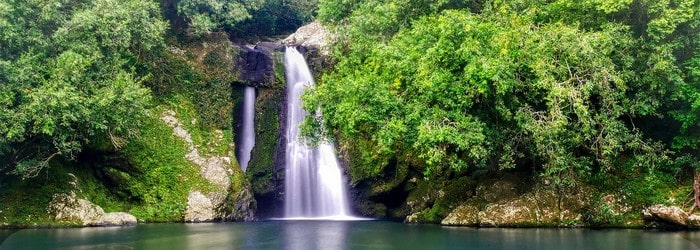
[
  {"x": 314, "y": 185},
  {"x": 247, "y": 128}
]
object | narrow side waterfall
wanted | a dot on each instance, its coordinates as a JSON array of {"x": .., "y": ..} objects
[
  {"x": 247, "y": 128},
  {"x": 314, "y": 184}
]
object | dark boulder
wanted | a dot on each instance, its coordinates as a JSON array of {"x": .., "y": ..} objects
[{"x": 256, "y": 65}]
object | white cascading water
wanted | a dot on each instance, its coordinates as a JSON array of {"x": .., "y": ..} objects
[
  {"x": 314, "y": 185},
  {"x": 247, "y": 128}
]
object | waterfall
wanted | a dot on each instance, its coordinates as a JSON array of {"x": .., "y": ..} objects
[
  {"x": 314, "y": 184},
  {"x": 247, "y": 140}
]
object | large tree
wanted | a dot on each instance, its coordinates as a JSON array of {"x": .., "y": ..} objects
[
  {"x": 67, "y": 76},
  {"x": 207, "y": 15},
  {"x": 559, "y": 86}
]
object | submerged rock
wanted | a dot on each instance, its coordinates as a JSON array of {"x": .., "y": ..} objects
[{"x": 118, "y": 219}]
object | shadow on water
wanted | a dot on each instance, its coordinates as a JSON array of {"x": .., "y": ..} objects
[
  {"x": 5, "y": 233},
  {"x": 692, "y": 237}
]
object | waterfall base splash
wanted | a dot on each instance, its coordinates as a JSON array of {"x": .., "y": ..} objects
[{"x": 325, "y": 218}]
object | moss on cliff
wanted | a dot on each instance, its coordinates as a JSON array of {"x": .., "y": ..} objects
[
  {"x": 163, "y": 177},
  {"x": 264, "y": 171},
  {"x": 262, "y": 163}
]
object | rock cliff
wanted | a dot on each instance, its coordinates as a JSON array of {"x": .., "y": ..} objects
[{"x": 211, "y": 206}]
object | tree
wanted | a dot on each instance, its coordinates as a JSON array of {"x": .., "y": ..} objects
[
  {"x": 688, "y": 141},
  {"x": 554, "y": 86},
  {"x": 207, "y": 15},
  {"x": 67, "y": 79},
  {"x": 277, "y": 17}
]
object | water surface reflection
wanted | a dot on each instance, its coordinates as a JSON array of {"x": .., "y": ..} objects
[{"x": 329, "y": 235}]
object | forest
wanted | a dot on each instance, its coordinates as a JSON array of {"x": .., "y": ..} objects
[
  {"x": 602, "y": 93},
  {"x": 447, "y": 95}
]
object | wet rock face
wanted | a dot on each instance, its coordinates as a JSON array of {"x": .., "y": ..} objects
[
  {"x": 256, "y": 66},
  {"x": 240, "y": 205},
  {"x": 265, "y": 170}
]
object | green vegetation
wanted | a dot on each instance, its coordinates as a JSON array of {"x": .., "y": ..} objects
[
  {"x": 83, "y": 85},
  {"x": 206, "y": 15},
  {"x": 21, "y": 210},
  {"x": 278, "y": 17},
  {"x": 162, "y": 177},
  {"x": 77, "y": 78},
  {"x": 148, "y": 178},
  {"x": 246, "y": 17},
  {"x": 574, "y": 91},
  {"x": 68, "y": 76},
  {"x": 264, "y": 175},
  {"x": 425, "y": 98}
]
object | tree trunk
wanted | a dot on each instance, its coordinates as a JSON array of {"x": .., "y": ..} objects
[{"x": 696, "y": 191}]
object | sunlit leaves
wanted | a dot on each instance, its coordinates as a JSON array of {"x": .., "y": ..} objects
[{"x": 667, "y": 15}]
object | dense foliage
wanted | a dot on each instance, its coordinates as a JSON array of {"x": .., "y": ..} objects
[
  {"x": 67, "y": 76},
  {"x": 83, "y": 74},
  {"x": 83, "y": 85},
  {"x": 206, "y": 15},
  {"x": 572, "y": 89},
  {"x": 253, "y": 17},
  {"x": 603, "y": 92},
  {"x": 278, "y": 17}
]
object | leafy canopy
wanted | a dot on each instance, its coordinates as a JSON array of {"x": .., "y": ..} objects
[
  {"x": 207, "y": 15},
  {"x": 67, "y": 77},
  {"x": 557, "y": 86}
]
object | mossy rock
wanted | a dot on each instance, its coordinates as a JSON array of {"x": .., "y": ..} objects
[
  {"x": 432, "y": 201},
  {"x": 261, "y": 170},
  {"x": 464, "y": 215}
]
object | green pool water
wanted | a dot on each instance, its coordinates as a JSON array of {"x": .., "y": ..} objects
[{"x": 340, "y": 235}]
